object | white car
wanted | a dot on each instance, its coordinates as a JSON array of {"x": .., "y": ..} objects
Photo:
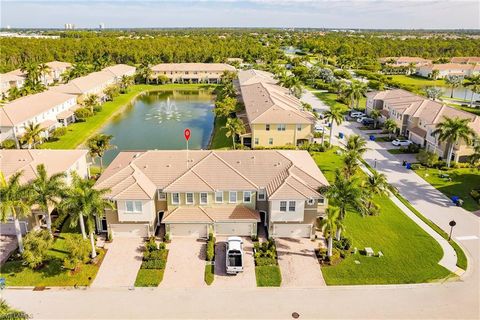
[
  {"x": 360, "y": 119},
  {"x": 357, "y": 114},
  {"x": 319, "y": 128},
  {"x": 234, "y": 255},
  {"x": 401, "y": 142}
]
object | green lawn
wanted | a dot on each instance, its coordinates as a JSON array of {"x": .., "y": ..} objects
[
  {"x": 79, "y": 132},
  {"x": 418, "y": 81},
  {"x": 149, "y": 277},
  {"x": 209, "y": 273},
  {"x": 467, "y": 109},
  {"x": 410, "y": 254},
  {"x": 462, "y": 182},
  {"x": 219, "y": 138},
  {"x": 330, "y": 100},
  {"x": 268, "y": 276},
  {"x": 53, "y": 273}
]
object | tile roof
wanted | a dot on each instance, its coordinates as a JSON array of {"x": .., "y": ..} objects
[
  {"x": 55, "y": 161},
  {"x": 119, "y": 70},
  {"x": 187, "y": 214},
  {"x": 252, "y": 76},
  {"x": 182, "y": 67},
  {"x": 84, "y": 84},
  {"x": 14, "y": 75},
  {"x": 465, "y": 60},
  {"x": 209, "y": 171},
  {"x": 55, "y": 65},
  {"x": 203, "y": 214}
]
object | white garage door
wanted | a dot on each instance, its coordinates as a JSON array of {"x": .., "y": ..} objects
[
  {"x": 197, "y": 230},
  {"x": 8, "y": 228},
  {"x": 129, "y": 230},
  {"x": 292, "y": 230},
  {"x": 234, "y": 229}
]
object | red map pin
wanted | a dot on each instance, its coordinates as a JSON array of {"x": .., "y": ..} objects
[{"x": 186, "y": 133}]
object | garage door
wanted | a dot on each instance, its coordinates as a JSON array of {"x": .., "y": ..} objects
[
  {"x": 8, "y": 228},
  {"x": 129, "y": 230},
  {"x": 292, "y": 230},
  {"x": 197, "y": 230},
  {"x": 234, "y": 229}
]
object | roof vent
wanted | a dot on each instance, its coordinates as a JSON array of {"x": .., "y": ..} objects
[
  {"x": 238, "y": 161},
  {"x": 136, "y": 155},
  {"x": 168, "y": 165},
  {"x": 145, "y": 167}
]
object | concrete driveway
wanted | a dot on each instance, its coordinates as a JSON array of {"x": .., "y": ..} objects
[
  {"x": 298, "y": 264},
  {"x": 245, "y": 279},
  {"x": 121, "y": 263},
  {"x": 186, "y": 264},
  {"x": 8, "y": 244}
]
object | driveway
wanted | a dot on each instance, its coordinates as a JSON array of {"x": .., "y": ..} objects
[
  {"x": 121, "y": 263},
  {"x": 186, "y": 264},
  {"x": 298, "y": 263},
  {"x": 245, "y": 279},
  {"x": 8, "y": 244}
]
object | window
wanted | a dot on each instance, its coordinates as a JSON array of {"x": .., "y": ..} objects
[
  {"x": 189, "y": 198},
  {"x": 291, "y": 205},
  {"x": 321, "y": 201},
  {"x": 283, "y": 206},
  {"x": 270, "y": 141},
  {"x": 299, "y": 127},
  {"x": 267, "y": 127},
  {"x": 311, "y": 201},
  {"x": 218, "y": 196},
  {"x": 247, "y": 196},
  {"x": 232, "y": 197},
  {"x": 280, "y": 127},
  {"x": 203, "y": 198},
  {"x": 256, "y": 141},
  {"x": 162, "y": 196},
  {"x": 261, "y": 195},
  {"x": 175, "y": 198},
  {"x": 133, "y": 206}
]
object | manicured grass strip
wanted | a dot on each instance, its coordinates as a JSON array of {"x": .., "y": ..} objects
[
  {"x": 398, "y": 151},
  {"x": 53, "y": 274},
  {"x": 468, "y": 109},
  {"x": 209, "y": 273},
  {"x": 268, "y": 276},
  {"x": 417, "y": 81},
  {"x": 330, "y": 99},
  {"x": 79, "y": 132},
  {"x": 149, "y": 277},
  {"x": 461, "y": 182},
  {"x": 219, "y": 139}
]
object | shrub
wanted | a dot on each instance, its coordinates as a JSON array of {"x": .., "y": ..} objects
[
  {"x": 83, "y": 113},
  {"x": 427, "y": 158},
  {"x": 162, "y": 246},
  {"x": 97, "y": 108},
  {"x": 78, "y": 251},
  {"x": 58, "y": 132},
  {"x": 151, "y": 245},
  {"x": 475, "y": 194},
  {"x": 154, "y": 264},
  {"x": 9, "y": 144},
  {"x": 36, "y": 245},
  {"x": 154, "y": 255},
  {"x": 166, "y": 237},
  {"x": 59, "y": 221},
  {"x": 416, "y": 166},
  {"x": 317, "y": 134},
  {"x": 211, "y": 249},
  {"x": 343, "y": 244}
]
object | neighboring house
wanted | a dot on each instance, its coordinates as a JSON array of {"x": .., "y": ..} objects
[
  {"x": 472, "y": 60},
  {"x": 50, "y": 109},
  {"x": 96, "y": 82},
  {"x": 273, "y": 116},
  {"x": 404, "y": 61},
  {"x": 196, "y": 192},
  {"x": 446, "y": 69},
  {"x": 191, "y": 72},
  {"x": 11, "y": 79},
  {"x": 26, "y": 161},
  {"x": 57, "y": 68},
  {"x": 417, "y": 117}
]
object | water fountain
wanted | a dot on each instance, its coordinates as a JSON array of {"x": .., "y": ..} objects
[{"x": 167, "y": 110}]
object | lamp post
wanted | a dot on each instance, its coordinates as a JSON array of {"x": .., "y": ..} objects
[
  {"x": 451, "y": 224},
  {"x": 375, "y": 164}
]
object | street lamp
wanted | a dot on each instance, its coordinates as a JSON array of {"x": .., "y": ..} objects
[
  {"x": 451, "y": 224},
  {"x": 375, "y": 164}
]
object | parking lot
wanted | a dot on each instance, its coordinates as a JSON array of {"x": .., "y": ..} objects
[{"x": 245, "y": 279}]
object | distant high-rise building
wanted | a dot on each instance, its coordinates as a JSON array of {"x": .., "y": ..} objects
[
  {"x": 69, "y": 26},
  {"x": 102, "y": 25}
]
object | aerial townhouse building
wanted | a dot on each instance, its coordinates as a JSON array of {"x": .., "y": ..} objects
[{"x": 191, "y": 72}]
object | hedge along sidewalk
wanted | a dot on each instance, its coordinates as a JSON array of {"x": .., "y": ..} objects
[
  {"x": 79, "y": 132},
  {"x": 449, "y": 259}
]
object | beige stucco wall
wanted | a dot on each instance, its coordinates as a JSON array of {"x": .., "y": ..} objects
[
  {"x": 146, "y": 215},
  {"x": 280, "y": 138},
  {"x": 211, "y": 200}
]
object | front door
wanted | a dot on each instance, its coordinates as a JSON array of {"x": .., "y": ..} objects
[{"x": 159, "y": 218}]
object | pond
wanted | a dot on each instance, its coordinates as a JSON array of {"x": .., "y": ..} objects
[{"x": 156, "y": 120}]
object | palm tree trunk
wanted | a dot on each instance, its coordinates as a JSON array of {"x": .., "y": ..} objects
[
  {"x": 233, "y": 141},
  {"x": 82, "y": 225},
  {"x": 338, "y": 234},
  {"x": 49, "y": 221},
  {"x": 331, "y": 134},
  {"x": 451, "y": 94},
  {"x": 92, "y": 242},
  {"x": 449, "y": 154},
  {"x": 101, "y": 164},
  {"x": 330, "y": 246},
  {"x": 18, "y": 233},
  {"x": 471, "y": 100}
]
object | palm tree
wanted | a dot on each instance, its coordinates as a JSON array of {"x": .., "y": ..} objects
[
  {"x": 14, "y": 93},
  {"x": 90, "y": 102},
  {"x": 234, "y": 127},
  {"x": 451, "y": 131},
  {"x": 31, "y": 71},
  {"x": 350, "y": 164},
  {"x": 475, "y": 157},
  {"x": 356, "y": 144},
  {"x": 390, "y": 126},
  {"x": 474, "y": 84},
  {"x": 433, "y": 93},
  {"x": 454, "y": 82},
  {"x": 145, "y": 71},
  {"x": 411, "y": 67},
  {"x": 125, "y": 82},
  {"x": 46, "y": 191},
  {"x": 98, "y": 145},
  {"x": 346, "y": 192},
  {"x": 224, "y": 107},
  {"x": 355, "y": 92},
  {"x": 375, "y": 114},
  {"x": 435, "y": 74},
  {"x": 375, "y": 184},
  {"x": 14, "y": 203},
  {"x": 32, "y": 135},
  {"x": 335, "y": 114},
  {"x": 330, "y": 226},
  {"x": 43, "y": 71},
  {"x": 228, "y": 90},
  {"x": 83, "y": 201},
  {"x": 293, "y": 84}
]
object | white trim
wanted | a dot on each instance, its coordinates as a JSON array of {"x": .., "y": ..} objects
[
  {"x": 311, "y": 201},
  {"x": 134, "y": 204},
  {"x": 200, "y": 200},
  {"x": 249, "y": 195},
  {"x": 186, "y": 198},
  {"x": 263, "y": 193},
  {"x": 160, "y": 194},
  {"x": 229, "y": 198},
  {"x": 286, "y": 206},
  {"x": 173, "y": 202},
  {"x": 221, "y": 192},
  {"x": 294, "y": 205}
]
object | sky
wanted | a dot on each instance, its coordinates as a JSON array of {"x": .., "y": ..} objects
[{"x": 364, "y": 14}]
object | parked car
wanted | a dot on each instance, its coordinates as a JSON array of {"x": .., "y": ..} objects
[
  {"x": 367, "y": 121},
  {"x": 319, "y": 128},
  {"x": 357, "y": 114},
  {"x": 402, "y": 142},
  {"x": 360, "y": 119},
  {"x": 234, "y": 255}
]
